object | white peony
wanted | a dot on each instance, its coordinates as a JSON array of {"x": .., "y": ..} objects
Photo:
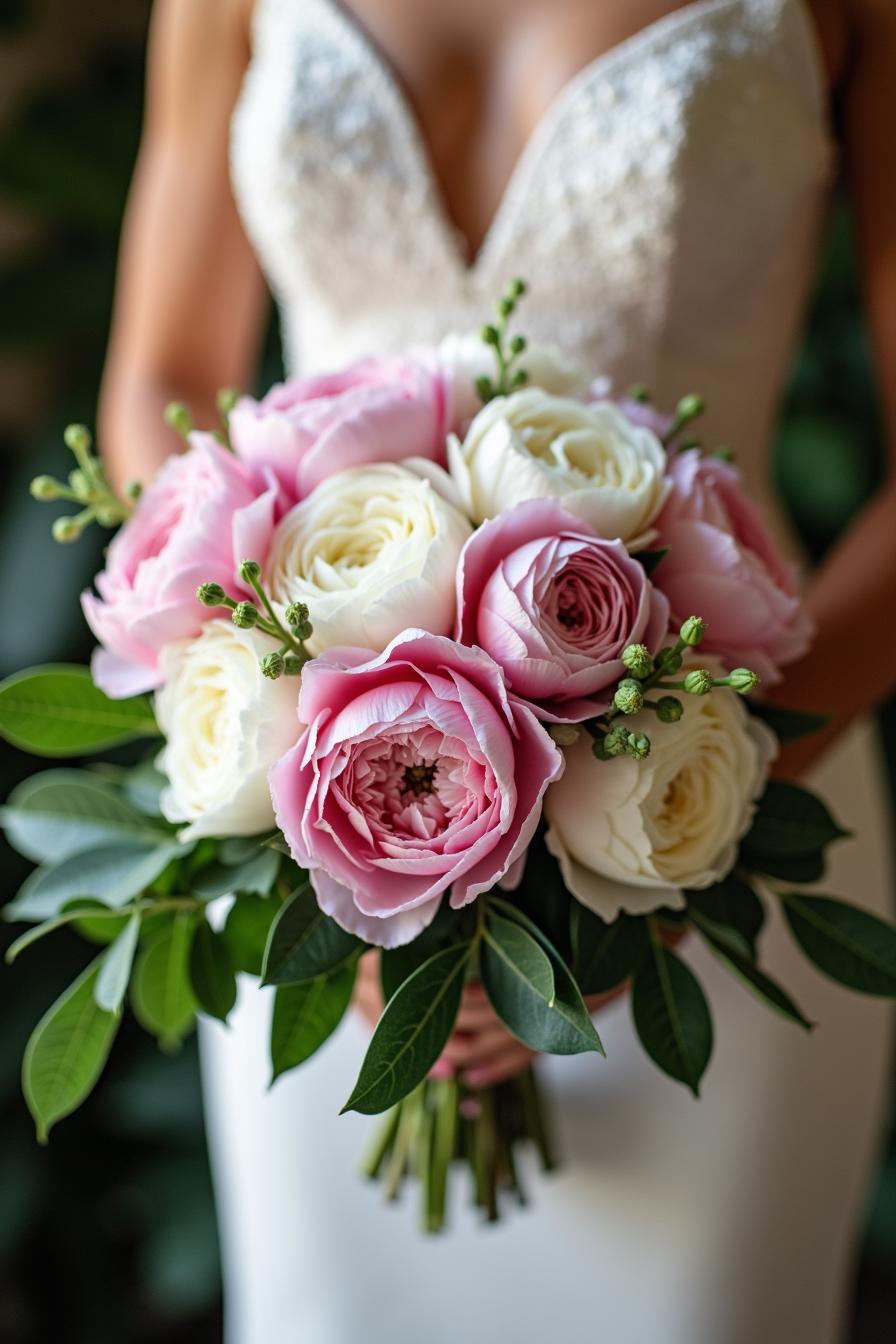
[
  {"x": 466, "y": 358},
  {"x": 632, "y": 835},
  {"x": 531, "y": 444},
  {"x": 372, "y": 551},
  {"x": 225, "y": 725}
]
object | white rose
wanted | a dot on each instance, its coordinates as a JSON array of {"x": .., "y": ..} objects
[
  {"x": 531, "y": 444},
  {"x": 372, "y": 551},
  {"x": 631, "y": 835},
  {"x": 466, "y": 358},
  {"x": 225, "y": 725}
]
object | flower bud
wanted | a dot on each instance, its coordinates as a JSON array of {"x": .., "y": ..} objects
[
  {"x": 692, "y": 631},
  {"x": 178, "y": 417},
  {"x": 616, "y": 741},
  {"x": 505, "y": 306},
  {"x": 520, "y": 376},
  {"x": 108, "y": 516},
  {"x": 245, "y": 615},
  {"x": 639, "y": 392},
  {"x": 44, "y": 488},
  {"x": 485, "y": 388},
  {"x": 669, "y": 709},
  {"x": 249, "y": 570},
  {"x": 79, "y": 483},
  {"x": 292, "y": 665},
  {"x": 689, "y": 407},
  {"x": 296, "y": 613},
  {"x": 516, "y": 288},
  {"x": 77, "y": 438},
  {"x": 517, "y": 345},
  {"x": 489, "y": 334},
  {"x": 743, "y": 680},
  {"x": 133, "y": 490},
  {"x": 273, "y": 665},
  {"x": 211, "y": 594},
  {"x": 564, "y": 734},
  {"x": 698, "y": 681},
  {"x": 629, "y": 697},
  {"x": 638, "y": 746},
  {"x": 66, "y": 529},
  {"x": 637, "y": 659},
  {"x": 227, "y": 398},
  {"x": 667, "y": 661}
]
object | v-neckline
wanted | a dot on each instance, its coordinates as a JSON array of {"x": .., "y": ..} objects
[{"x": 470, "y": 264}]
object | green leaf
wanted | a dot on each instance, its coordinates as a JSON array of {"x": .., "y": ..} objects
[
  {"x": 306, "y": 1015},
  {"x": 161, "y": 994},
  {"x": 566, "y": 1026},
  {"x": 731, "y": 904},
  {"x": 115, "y": 971},
  {"x": 304, "y": 942},
  {"x": 142, "y": 786},
  {"x": 57, "y": 711},
  {"x": 672, "y": 1017},
  {"x": 410, "y": 1035},
  {"x": 211, "y": 972},
  {"x": 239, "y": 849},
  {"x": 650, "y": 559},
  {"x": 605, "y": 954},
  {"x": 761, "y": 984},
  {"x": 449, "y": 927},
  {"x": 57, "y": 813},
  {"x": 788, "y": 725},
  {"x": 66, "y": 1053},
  {"x": 850, "y": 945},
  {"x": 800, "y": 868},
  {"x": 247, "y": 929},
  {"x": 72, "y": 916},
  {"x": 790, "y": 823},
  {"x": 518, "y": 978},
  {"x": 257, "y": 874},
  {"x": 112, "y": 875}
]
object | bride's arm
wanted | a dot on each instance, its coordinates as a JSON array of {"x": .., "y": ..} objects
[
  {"x": 852, "y": 666},
  {"x": 189, "y": 298}
]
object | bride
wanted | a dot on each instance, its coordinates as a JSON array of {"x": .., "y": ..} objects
[{"x": 659, "y": 172}]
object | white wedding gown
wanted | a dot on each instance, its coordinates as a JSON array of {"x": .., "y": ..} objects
[{"x": 666, "y": 213}]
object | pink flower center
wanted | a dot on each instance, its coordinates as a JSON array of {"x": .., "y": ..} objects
[
  {"x": 410, "y": 786},
  {"x": 590, "y": 605}
]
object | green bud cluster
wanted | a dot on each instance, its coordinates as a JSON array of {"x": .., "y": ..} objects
[
  {"x": 273, "y": 665},
  {"x": 689, "y": 408},
  {"x": 177, "y": 417},
  {"x": 291, "y": 656},
  {"x": 620, "y": 742},
  {"x": 211, "y": 595},
  {"x": 629, "y": 697},
  {"x": 86, "y": 486},
  {"x": 636, "y": 657},
  {"x": 669, "y": 709},
  {"x": 698, "y": 681},
  {"x": 245, "y": 615},
  {"x": 507, "y": 352}
]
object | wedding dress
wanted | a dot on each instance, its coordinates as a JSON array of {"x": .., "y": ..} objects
[{"x": 666, "y": 213}]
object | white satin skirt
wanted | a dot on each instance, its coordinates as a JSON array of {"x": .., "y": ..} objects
[{"x": 728, "y": 1220}]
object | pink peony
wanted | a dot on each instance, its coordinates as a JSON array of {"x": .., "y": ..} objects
[
  {"x": 199, "y": 518},
  {"x": 417, "y": 773},
  {"x": 555, "y": 605},
  {"x": 379, "y": 410},
  {"x": 723, "y": 565}
]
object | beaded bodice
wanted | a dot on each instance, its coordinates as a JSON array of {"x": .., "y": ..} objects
[{"x": 666, "y": 209}]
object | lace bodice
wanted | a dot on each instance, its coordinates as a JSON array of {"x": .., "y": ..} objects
[{"x": 665, "y": 210}]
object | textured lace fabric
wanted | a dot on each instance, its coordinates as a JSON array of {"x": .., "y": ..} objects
[{"x": 665, "y": 210}]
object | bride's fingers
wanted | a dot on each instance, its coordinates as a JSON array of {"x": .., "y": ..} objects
[
  {"x": 463, "y": 1050},
  {"x": 507, "y": 1063}
]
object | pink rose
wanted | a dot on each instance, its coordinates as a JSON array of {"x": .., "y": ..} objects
[
  {"x": 417, "y": 773},
  {"x": 379, "y": 410},
  {"x": 555, "y": 605},
  {"x": 646, "y": 416},
  {"x": 199, "y": 518},
  {"x": 723, "y": 565}
]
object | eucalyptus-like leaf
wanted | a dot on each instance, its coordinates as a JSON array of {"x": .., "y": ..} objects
[
  {"x": 448, "y": 927},
  {"x": 304, "y": 942},
  {"x": 161, "y": 993},
  {"x": 672, "y": 1016},
  {"x": 57, "y": 813},
  {"x": 788, "y": 725},
  {"x": 115, "y": 971},
  {"x": 731, "y": 904},
  {"x": 566, "y": 1026},
  {"x": 605, "y": 954},
  {"x": 256, "y": 874},
  {"x": 306, "y": 1015},
  {"x": 212, "y": 975},
  {"x": 756, "y": 980},
  {"x": 57, "y": 711},
  {"x": 409, "y": 1036},
  {"x": 111, "y": 874},
  {"x": 66, "y": 1053},
  {"x": 850, "y": 945},
  {"x": 247, "y": 929},
  {"x": 790, "y": 823}
]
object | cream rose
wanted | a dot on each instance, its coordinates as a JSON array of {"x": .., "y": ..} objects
[
  {"x": 225, "y": 726},
  {"x": 632, "y": 835},
  {"x": 465, "y": 358},
  {"x": 531, "y": 444},
  {"x": 372, "y": 552}
]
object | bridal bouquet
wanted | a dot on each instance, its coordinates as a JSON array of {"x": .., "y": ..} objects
[{"x": 451, "y": 656}]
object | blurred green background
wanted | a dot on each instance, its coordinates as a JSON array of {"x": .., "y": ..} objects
[{"x": 108, "y": 1235}]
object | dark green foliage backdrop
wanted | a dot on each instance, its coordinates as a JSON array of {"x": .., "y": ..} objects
[{"x": 107, "y": 1236}]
